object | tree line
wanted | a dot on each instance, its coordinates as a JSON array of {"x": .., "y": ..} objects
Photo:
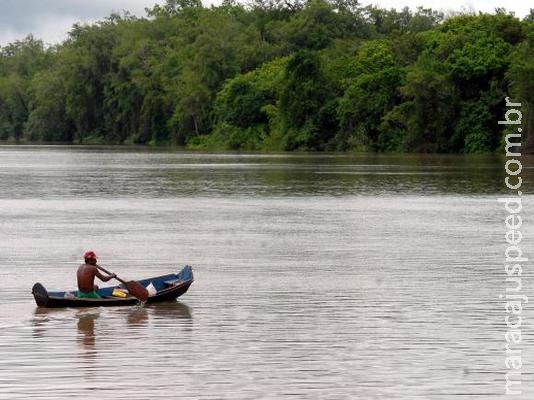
[{"x": 274, "y": 75}]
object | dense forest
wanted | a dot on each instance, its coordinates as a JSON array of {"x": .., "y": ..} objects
[{"x": 274, "y": 75}]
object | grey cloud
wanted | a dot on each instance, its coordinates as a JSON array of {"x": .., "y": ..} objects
[{"x": 21, "y": 17}]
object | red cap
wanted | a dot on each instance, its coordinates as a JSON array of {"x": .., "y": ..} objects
[{"x": 89, "y": 254}]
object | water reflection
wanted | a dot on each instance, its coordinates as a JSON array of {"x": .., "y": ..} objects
[
  {"x": 86, "y": 335},
  {"x": 137, "y": 317},
  {"x": 39, "y": 321},
  {"x": 161, "y": 175},
  {"x": 170, "y": 310},
  {"x": 86, "y": 329},
  {"x": 88, "y": 319}
]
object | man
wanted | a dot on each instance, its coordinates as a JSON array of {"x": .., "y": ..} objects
[{"x": 86, "y": 277}]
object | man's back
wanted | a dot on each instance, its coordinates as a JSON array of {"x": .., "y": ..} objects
[{"x": 86, "y": 277}]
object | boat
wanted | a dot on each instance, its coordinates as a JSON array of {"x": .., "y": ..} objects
[{"x": 161, "y": 288}]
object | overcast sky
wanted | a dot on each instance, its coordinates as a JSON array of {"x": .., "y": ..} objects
[{"x": 50, "y": 20}]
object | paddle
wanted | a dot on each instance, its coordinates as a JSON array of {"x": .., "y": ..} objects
[{"x": 134, "y": 288}]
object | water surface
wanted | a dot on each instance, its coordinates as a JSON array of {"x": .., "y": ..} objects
[{"x": 317, "y": 276}]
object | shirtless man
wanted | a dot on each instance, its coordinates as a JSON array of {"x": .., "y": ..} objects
[{"x": 86, "y": 277}]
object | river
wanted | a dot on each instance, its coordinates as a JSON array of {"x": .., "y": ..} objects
[{"x": 316, "y": 276}]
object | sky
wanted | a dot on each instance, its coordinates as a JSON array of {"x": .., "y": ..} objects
[{"x": 51, "y": 20}]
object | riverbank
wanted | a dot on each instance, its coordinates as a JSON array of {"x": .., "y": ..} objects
[{"x": 313, "y": 76}]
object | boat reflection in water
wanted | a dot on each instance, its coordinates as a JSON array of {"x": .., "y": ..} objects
[
  {"x": 170, "y": 310},
  {"x": 109, "y": 323},
  {"x": 121, "y": 323}
]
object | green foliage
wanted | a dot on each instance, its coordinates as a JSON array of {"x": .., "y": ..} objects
[
  {"x": 48, "y": 121},
  {"x": 371, "y": 92},
  {"x": 455, "y": 88},
  {"x": 521, "y": 78},
  {"x": 173, "y": 8},
  {"x": 387, "y": 22},
  {"x": 240, "y": 102},
  {"x": 304, "y": 104},
  {"x": 13, "y": 105},
  {"x": 274, "y": 75},
  {"x": 430, "y": 108}
]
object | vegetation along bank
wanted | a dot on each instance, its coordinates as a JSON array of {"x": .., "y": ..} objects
[{"x": 275, "y": 76}]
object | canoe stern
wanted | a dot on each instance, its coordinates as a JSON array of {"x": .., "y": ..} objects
[{"x": 40, "y": 294}]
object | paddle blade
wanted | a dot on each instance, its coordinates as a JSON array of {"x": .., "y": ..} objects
[{"x": 137, "y": 290}]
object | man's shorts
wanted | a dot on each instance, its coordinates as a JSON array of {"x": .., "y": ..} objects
[{"x": 88, "y": 295}]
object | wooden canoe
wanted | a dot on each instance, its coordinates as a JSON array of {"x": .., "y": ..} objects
[{"x": 168, "y": 288}]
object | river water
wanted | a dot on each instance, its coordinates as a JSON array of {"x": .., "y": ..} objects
[{"x": 316, "y": 276}]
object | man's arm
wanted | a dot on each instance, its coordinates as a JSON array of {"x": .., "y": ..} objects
[{"x": 103, "y": 278}]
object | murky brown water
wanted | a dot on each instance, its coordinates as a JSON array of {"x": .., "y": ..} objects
[{"x": 317, "y": 277}]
